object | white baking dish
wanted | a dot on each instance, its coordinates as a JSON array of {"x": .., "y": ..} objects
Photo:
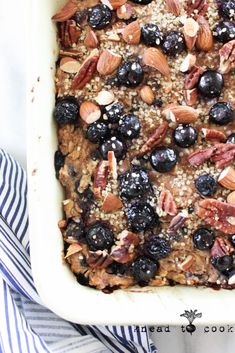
[{"x": 55, "y": 283}]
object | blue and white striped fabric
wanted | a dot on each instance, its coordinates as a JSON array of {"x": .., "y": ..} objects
[{"x": 25, "y": 325}]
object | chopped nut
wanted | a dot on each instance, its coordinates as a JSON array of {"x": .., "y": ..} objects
[
  {"x": 167, "y": 203},
  {"x": 131, "y": 33},
  {"x": 86, "y": 71},
  {"x": 227, "y": 178},
  {"x": 181, "y": 114},
  {"x": 227, "y": 57},
  {"x": 205, "y": 37},
  {"x": 69, "y": 65},
  {"x": 190, "y": 96},
  {"x": 188, "y": 63},
  {"x": 108, "y": 62},
  {"x": 100, "y": 178},
  {"x": 125, "y": 12},
  {"x": 111, "y": 203},
  {"x": 67, "y": 11},
  {"x": 155, "y": 58},
  {"x": 212, "y": 134},
  {"x": 105, "y": 97},
  {"x": 73, "y": 249},
  {"x": 231, "y": 197},
  {"x": 187, "y": 263},
  {"x": 89, "y": 112},
  {"x": 91, "y": 40},
  {"x": 147, "y": 94},
  {"x": 178, "y": 221},
  {"x": 155, "y": 139},
  {"x": 190, "y": 31},
  {"x": 113, "y": 4},
  {"x": 173, "y": 6}
]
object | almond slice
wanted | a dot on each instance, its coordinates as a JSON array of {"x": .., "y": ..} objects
[
  {"x": 188, "y": 62},
  {"x": 73, "y": 249},
  {"x": 108, "y": 62},
  {"x": 105, "y": 97},
  {"x": 69, "y": 65},
  {"x": 227, "y": 178},
  {"x": 181, "y": 114},
  {"x": 111, "y": 203},
  {"x": 125, "y": 12},
  {"x": 131, "y": 33},
  {"x": 67, "y": 11},
  {"x": 89, "y": 112},
  {"x": 113, "y": 4},
  {"x": 190, "y": 31},
  {"x": 155, "y": 58},
  {"x": 91, "y": 40},
  {"x": 147, "y": 94}
]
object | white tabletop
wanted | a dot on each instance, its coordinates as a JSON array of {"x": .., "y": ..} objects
[{"x": 13, "y": 140}]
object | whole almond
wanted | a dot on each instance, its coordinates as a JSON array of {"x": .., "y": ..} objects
[
  {"x": 227, "y": 178},
  {"x": 69, "y": 65},
  {"x": 113, "y": 4},
  {"x": 125, "y": 12},
  {"x": 131, "y": 33},
  {"x": 205, "y": 37},
  {"x": 89, "y": 112},
  {"x": 231, "y": 197},
  {"x": 181, "y": 114},
  {"x": 111, "y": 203},
  {"x": 147, "y": 94},
  {"x": 190, "y": 31},
  {"x": 155, "y": 58},
  {"x": 108, "y": 62},
  {"x": 91, "y": 40},
  {"x": 173, "y": 6}
]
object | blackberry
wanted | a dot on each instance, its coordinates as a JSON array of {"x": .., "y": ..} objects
[
  {"x": 115, "y": 145},
  {"x": 173, "y": 43},
  {"x": 227, "y": 9},
  {"x": 66, "y": 110},
  {"x": 97, "y": 132},
  {"x": 203, "y": 239},
  {"x": 114, "y": 112},
  {"x": 74, "y": 230},
  {"x": 59, "y": 159},
  {"x": 151, "y": 34},
  {"x": 130, "y": 74},
  {"x": 134, "y": 183},
  {"x": 224, "y": 31},
  {"x": 129, "y": 126},
  {"x": 99, "y": 16}
]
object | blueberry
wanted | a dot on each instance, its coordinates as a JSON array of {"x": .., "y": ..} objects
[
  {"x": 231, "y": 138},
  {"x": 115, "y": 145},
  {"x": 134, "y": 183},
  {"x": 151, "y": 34},
  {"x": 221, "y": 113},
  {"x": 203, "y": 239},
  {"x": 224, "y": 31},
  {"x": 223, "y": 263},
  {"x": 74, "y": 230},
  {"x": 114, "y": 112},
  {"x": 227, "y": 9},
  {"x": 99, "y": 16},
  {"x": 130, "y": 74},
  {"x": 157, "y": 248},
  {"x": 66, "y": 110},
  {"x": 206, "y": 184},
  {"x": 97, "y": 132},
  {"x": 59, "y": 159},
  {"x": 173, "y": 43},
  {"x": 144, "y": 269},
  {"x": 129, "y": 126},
  {"x": 163, "y": 159},
  {"x": 99, "y": 236},
  {"x": 142, "y": 2},
  {"x": 141, "y": 216},
  {"x": 185, "y": 136},
  {"x": 210, "y": 84}
]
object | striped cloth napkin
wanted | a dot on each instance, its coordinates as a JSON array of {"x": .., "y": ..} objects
[{"x": 26, "y": 326}]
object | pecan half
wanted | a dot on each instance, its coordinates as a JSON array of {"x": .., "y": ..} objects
[
  {"x": 220, "y": 215},
  {"x": 125, "y": 251},
  {"x": 100, "y": 178},
  {"x": 201, "y": 156},
  {"x": 227, "y": 57},
  {"x": 154, "y": 140},
  {"x": 74, "y": 53},
  {"x": 198, "y": 7},
  {"x": 86, "y": 71},
  {"x": 167, "y": 203},
  {"x": 178, "y": 221},
  {"x": 67, "y": 11},
  {"x": 222, "y": 246},
  {"x": 223, "y": 155},
  {"x": 192, "y": 77},
  {"x": 69, "y": 33},
  {"x": 98, "y": 259},
  {"x": 212, "y": 134}
]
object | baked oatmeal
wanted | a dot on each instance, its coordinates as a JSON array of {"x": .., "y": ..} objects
[{"x": 145, "y": 99}]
